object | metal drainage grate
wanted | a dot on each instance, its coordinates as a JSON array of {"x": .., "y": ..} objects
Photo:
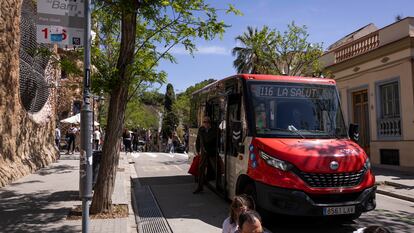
[{"x": 149, "y": 216}]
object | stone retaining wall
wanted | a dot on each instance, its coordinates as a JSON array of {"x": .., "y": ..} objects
[{"x": 26, "y": 143}]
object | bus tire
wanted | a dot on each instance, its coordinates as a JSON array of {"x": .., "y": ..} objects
[{"x": 250, "y": 189}]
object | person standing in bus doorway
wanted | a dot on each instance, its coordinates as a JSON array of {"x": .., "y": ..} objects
[{"x": 206, "y": 147}]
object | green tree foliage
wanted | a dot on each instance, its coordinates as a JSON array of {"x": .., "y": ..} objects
[
  {"x": 273, "y": 52},
  {"x": 169, "y": 124},
  {"x": 169, "y": 98},
  {"x": 153, "y": 98},
  {"x": 182, "y": 104},
  {"x": 250, "y": 58},
  {"x": 170, "y": 120},
  {"x": 131, "y": 38},
  {"x": 140, "y": 115}
]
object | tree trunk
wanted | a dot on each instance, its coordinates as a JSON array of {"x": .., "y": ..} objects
[{"x": 102, "y": 198}]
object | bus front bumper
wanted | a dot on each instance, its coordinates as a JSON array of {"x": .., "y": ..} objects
[{"x": 295, "y": 202}]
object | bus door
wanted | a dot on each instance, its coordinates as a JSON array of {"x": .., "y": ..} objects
[
  {"x": 216, "y": 112},
  {"x": 233, "y": 139}
]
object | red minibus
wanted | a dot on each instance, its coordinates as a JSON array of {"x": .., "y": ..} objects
[{"x": 283, "y": 141}]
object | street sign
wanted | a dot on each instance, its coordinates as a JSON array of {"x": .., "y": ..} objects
[{"x": 60, "y": 22}]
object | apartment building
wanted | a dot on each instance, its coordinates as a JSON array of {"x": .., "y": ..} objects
[{"x": 374, "y": 71}]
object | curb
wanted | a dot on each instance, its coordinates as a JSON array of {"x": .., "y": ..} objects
[
  {"x": 391, "y": 194},
  {"x": 393, "y": 184},
  {"x": 133, "y": 204}
]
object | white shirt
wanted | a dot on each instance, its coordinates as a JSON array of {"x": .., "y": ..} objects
[
  {"x": 228, "y": 227},
  {"x": 57, "y": 133},
  {"x": 73, "y": 130},
  {"x": 96, "y": 135}
]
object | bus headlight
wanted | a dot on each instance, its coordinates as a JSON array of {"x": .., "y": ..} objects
[
  {"x": 367, "y": 164},
  {"x": 277, "y": 163}
]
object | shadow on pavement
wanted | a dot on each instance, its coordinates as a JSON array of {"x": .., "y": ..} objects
[
  {"x": 57, "y": 169},
  {"x": 32, "y": 212},
  {"x": 166, "y": 180},
  {"x": 396, "y": 221},
  {"x": 174, "y": 195},
  {"x": 25, "y": 182},
  {"x": 400, "y": 222}
]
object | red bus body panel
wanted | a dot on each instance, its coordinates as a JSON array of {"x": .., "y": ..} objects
[{"x": 309, "y": 155}]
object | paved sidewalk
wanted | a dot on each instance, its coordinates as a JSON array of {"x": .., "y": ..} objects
[
  {"x": 399, "y": 184},
  {"x": 41, "y": 201}
]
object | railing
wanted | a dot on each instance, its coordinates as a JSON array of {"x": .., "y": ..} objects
[
  {"x": 389, "y": 127},
  {"x": 357, "y": 47}
]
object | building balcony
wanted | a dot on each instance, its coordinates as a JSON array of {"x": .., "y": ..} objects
[
  {"x": 389, "y": 127},
  {"x": 389, "y": 34}
]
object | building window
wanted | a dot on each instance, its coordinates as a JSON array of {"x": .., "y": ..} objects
[
  {"x": 390, "y": 103},
  {"x": 389, "y": 124},
  {"x": 390, "y": 157}
]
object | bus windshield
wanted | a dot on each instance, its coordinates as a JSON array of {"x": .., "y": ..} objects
[{"x": 295, "y": 110}]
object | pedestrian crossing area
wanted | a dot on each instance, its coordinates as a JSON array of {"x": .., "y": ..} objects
[{"x": 158, "y": 154}]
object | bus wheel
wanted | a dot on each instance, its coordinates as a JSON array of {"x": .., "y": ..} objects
[{"x": 250, "y": 190}]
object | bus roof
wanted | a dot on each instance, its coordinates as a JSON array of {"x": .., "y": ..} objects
[{"x": 266, "y": 77}]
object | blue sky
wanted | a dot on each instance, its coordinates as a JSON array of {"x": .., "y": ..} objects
[{"x": 327, "y": 21}]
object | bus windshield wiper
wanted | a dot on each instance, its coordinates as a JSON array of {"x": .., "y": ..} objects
[{"x": 292, "y": 128}]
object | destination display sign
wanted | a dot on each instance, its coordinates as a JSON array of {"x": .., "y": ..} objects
[{"x": 282, "y": 91}]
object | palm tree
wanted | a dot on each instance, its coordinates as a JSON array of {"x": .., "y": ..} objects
[{"x": 250, "y": 56}]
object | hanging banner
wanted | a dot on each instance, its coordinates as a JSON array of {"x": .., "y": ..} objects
[{"x": 60, "y": 22}]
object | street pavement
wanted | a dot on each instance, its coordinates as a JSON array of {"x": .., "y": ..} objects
[
  {"x": 40, "y": 202},
  {"x": 166, "y": 176}
]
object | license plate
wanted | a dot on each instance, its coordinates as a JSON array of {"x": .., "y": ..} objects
[{"x": 339, "y": 210}]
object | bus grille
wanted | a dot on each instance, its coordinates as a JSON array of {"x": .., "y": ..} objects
[{"x": 332, "y": 180}]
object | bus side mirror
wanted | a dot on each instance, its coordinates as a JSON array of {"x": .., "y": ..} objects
[{"x": 354, "y": 132}]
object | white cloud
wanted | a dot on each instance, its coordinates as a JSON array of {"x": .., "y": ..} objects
[{"x": 202, "y": 50}]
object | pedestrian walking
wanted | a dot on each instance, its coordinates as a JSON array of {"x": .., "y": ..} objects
[
  {"x": 176, "y": 142},
  {"x": 170, "y": 145},
  {"x": 127, "y": 138},
  {"x": 96, "y": 138},
  {"x": 239, "y": 205},
  {"x": 135, "y": 140},
  {"x": 186, "y": 138},
  {"x": 57, "y": 137},
  {"x": 71, "y": 134},
  {"x": 206, "y": 147}
]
